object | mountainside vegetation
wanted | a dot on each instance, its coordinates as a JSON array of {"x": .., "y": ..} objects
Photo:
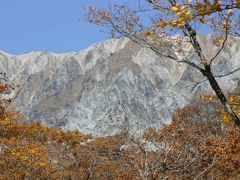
[{"x": 199, "y": 144}]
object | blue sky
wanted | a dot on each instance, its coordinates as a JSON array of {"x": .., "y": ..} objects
[{"x": 53, "y": 25}]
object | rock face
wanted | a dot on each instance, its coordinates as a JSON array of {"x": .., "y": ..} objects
[{"x": 95, "y": 89}]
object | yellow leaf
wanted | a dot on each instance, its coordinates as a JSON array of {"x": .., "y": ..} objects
[
  {"x": 147, "y": 33},
  {"x": 183, "y": 8},
  {"x": 230, "y": 12},
  {"x": 163, "y": 24},
  {"x": 219, "y": 42},
  {"x": 238, "y": 3},
  {"x": 176, "y": 8},
  {"x": 203, "y": 62},
  {"x": 226, "y": 25}
]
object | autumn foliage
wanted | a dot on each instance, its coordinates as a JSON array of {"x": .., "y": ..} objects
[
  {"x": 234, "y": 101},
  {"x": 29, "y": 150},
  {"x": 194, "y": 146},
  {"x": 202, "y": 142}
]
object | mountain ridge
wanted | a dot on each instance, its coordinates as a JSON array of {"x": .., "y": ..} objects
[{"x": 93, "y": 90}]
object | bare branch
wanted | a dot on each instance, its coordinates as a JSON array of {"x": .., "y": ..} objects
[
  {"x": 222, "y": 46},
  {"x": 220, "y": 76}
]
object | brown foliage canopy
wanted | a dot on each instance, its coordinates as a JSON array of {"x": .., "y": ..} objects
[{"x": 193, "y": 146}]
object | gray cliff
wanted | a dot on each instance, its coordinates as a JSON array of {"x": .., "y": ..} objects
[{"x": 95, "y": 89}]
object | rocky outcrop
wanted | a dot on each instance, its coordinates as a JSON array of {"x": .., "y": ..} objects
[{"x": 95, "y": 89}]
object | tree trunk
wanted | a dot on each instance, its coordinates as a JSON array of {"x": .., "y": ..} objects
[{"x": 207, "y": 73}]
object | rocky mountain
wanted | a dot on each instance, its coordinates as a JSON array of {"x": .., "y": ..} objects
[{"x": 94, "y": 90}]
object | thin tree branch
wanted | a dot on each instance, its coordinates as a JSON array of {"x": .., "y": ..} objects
[
  {"x": 220, "y": 50},
  {"x": 146, "y": 44},
  {"x": 220, "y": 76}
]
